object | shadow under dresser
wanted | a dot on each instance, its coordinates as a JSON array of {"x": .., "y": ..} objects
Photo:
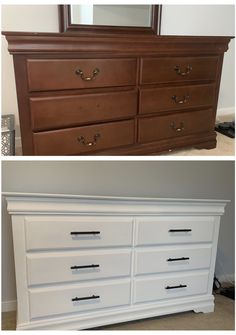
[{"x": 116, "y": 95}]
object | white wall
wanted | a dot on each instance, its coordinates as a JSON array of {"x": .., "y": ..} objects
[
  {"x": 176, "y": 19},
  {"x": 186, "y": 179},
  {"x": 211, "y": 20}
]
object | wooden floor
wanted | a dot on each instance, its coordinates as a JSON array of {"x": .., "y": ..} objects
[{"x": 221, "y": 319}]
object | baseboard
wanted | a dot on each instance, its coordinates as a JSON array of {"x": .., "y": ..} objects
[
  {"x": 226, "y": 278},
  {"x": 224, "y": 112},
  {"x": 8, "y": 306}
]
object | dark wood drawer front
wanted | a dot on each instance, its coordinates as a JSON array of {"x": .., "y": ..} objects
[
  {"x": 60, "y": 74},
  {"x": 64, "y": 111},
  {"x": 178, "y": 124},
  {"x": 87, "y": 139},
  {"x": 174, "y": 69},
  {"x": 163, "y": 99}
]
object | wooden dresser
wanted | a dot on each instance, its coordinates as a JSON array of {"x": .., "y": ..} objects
[
  {"x": 116, "y": 95},
  {"x": 83, "y": 262}
]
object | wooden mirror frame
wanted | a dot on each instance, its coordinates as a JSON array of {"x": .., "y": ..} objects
[{"x": 66, "y": 26}]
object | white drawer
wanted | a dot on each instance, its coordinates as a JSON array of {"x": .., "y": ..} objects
[
  {"x": 77, "y": 232},
  {"x": 172, "y": 230},
  {"x": 59, "y": 300},
  {"x": 169, "y": 287},
  {"x": 76, "y": 266},
  {"x": 157, "y": 260}
]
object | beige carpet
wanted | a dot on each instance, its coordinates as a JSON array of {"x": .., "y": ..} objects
[
  {"x": 221, "y": 319},
  {"x": 225, "y": 147}
]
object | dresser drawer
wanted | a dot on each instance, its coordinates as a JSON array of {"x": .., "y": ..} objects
[
  {"x": 60, "y": 74},
  {"x": 64, "y": 111},
  {"x": 170, "y": 287},
  {"x": 78, "y": 298},
  {"x": 175, "y": 125},
  {"x": 174, "y": 69},
  {"x": 79, "y": 232},
  {"x": 157, "y": 260},
  {"x": 173, "y": 230},
  {"x": 179, "y": 97},
  {"x": 77, "y": 266},
  {"x": 85, "y": 139}
]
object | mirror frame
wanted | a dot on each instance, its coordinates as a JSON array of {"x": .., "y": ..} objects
[{"x": 66, "y": 26}]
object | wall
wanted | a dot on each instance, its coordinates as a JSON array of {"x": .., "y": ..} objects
[
  {"x": 176, "y": 19},
  {"x": 186, "y": 179}
]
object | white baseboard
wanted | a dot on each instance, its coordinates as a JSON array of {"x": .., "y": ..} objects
[
  {"x": 18, "y": 142},
  {"x": 226, "y": 278},
  {"x": 8, "y": 306},
  {"x": 229, "y": 111}
]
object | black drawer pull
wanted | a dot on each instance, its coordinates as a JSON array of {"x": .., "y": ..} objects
[
  {"x": 177, "y": 259},
  {"x": 172, "y": 287},
  {"x": 75, "y": 267},
  {"x": 179, "y": 230},
  {"x": 86, "y": 298},
  {"x": 85, "y": 232}
]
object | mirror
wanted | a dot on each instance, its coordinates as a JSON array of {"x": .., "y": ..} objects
[
  {"x": 112, "y": 15},
  {"x": 142, "y": 19}
]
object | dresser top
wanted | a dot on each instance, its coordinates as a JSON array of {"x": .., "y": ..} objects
[
  {"x": 64, "y": 204},
  {"x": 26, "y": 42},
  {"x": 49, "y": 196}
]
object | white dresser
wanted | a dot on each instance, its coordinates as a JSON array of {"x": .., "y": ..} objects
[{"x": 85, "y": 261}]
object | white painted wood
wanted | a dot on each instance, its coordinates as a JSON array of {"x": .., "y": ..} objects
[
  {"x": 55, "y": 232},
  {"x": 121, "y": 314},
  {"x": 18, "y": 232},
  {"x": 155, "y": 230},
  {"x": 157, "y": 260},
  {"x": 58, "y": 299},
  {"x": 20, "y": 203},
  {"x": 48, "y": 268},
  {"x": 213, "y": 254},
  {"x": 132, "y": 248},
  {"x": 155, "y": 287}
]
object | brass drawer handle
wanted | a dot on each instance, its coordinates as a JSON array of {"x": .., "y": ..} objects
[
  {"x": 81, "y": 74},
  {"x": 179, "y": 71},
  {"x": 82, "y": 140},
  {"x": 182, "y": 100},
  {"x": 177, "y": 129}
]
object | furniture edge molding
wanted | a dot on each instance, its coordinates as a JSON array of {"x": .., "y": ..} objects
[
  {"x": 77, "y": 205},
  {"x": 203, "y": 304},
  {"x": 25, "y": 43}
]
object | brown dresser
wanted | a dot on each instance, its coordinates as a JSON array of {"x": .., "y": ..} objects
[{"x": 116, "y": 95}]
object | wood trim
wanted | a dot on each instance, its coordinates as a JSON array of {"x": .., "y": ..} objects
[
  {"x": 66, "y": 26},
  {"x": 20, "y": 203},
  {"x": 65, "y": 43}
]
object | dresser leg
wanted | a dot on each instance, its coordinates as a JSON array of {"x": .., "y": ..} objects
[
  {"x": 206, "y": 145},
  {"x": 205, "y": 309}
]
